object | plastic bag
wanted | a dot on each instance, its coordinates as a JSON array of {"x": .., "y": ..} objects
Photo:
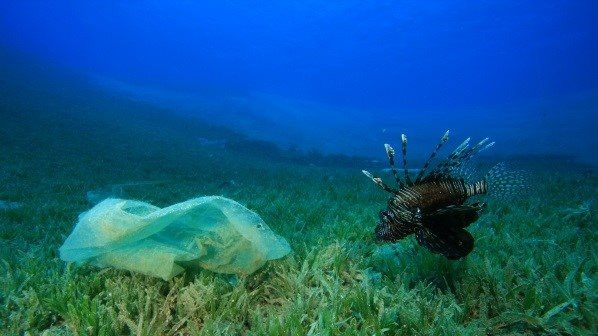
[{"x": 212, "y": 232}]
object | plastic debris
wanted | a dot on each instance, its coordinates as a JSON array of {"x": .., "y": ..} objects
[{"x": 215, "y": 233}]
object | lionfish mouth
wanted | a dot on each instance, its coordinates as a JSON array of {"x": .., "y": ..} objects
[{"x": 382, "y": 232}]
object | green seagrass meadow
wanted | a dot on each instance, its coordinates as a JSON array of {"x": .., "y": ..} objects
[{"x": 533, "y": 270}]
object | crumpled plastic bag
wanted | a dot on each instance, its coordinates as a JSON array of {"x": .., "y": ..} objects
[{"x": 211, "y": 232}]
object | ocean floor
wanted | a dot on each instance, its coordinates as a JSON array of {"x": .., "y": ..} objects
[{"x": 533, "y": 270}]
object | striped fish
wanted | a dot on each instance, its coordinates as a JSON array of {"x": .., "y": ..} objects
[{"x": 435, "y": 205}]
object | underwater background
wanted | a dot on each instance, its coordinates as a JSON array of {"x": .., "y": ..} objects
[{"x": 279, "y": 106}]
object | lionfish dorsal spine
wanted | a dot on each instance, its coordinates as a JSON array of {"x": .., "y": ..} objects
[
  {"x": 422, "y": 172},
  {"x": 458, "y": 157},
  {"x": 405, "y": 170},
  {"x": 378, "y": 181},
  {"x": 390, "y": 153}
]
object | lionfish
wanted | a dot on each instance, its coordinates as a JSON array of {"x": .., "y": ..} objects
[{"x": 434, "y": 206}]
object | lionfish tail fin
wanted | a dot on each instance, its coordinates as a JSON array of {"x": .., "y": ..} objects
[{"x": 502, "y": 182}]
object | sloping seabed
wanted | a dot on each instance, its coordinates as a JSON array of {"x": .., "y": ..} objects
[{"x": 533, "y": 270}]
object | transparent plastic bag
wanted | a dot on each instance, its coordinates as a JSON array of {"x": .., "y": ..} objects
[{"x": 211, "y": 232}]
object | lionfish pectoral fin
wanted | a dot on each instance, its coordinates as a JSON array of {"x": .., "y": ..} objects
[
  {"x": 454, "y": 216},
  {"x": 453, "y": 244}
]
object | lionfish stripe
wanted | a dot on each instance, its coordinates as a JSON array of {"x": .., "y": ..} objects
[
  {"x": 477, "y": 188},
  {"x": 407, "y": 195}
]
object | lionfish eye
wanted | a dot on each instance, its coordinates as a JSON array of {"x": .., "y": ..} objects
[
  {"x": 417, "y": 214},
  {"x": 385, "y": 216}
]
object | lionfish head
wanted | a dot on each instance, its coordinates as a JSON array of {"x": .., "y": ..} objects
[{"x": 390, "y": 228}]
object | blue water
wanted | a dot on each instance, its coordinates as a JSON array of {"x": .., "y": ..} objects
[{"x": 338, "y": 76}]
